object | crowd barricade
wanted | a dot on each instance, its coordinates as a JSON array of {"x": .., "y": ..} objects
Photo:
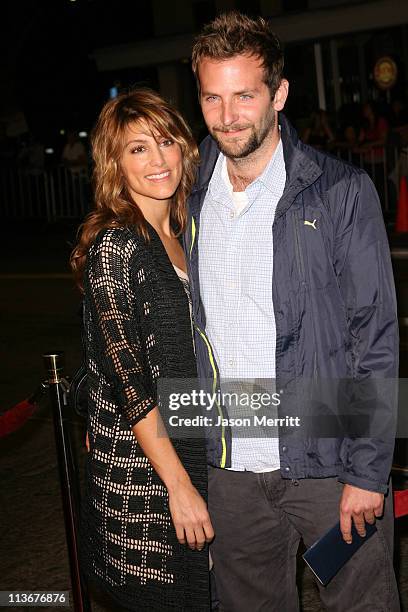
[
  {"x": 58, "y": 193},
  {"x": 54, "y": 194},
  {"x": 385, "y": 166}
]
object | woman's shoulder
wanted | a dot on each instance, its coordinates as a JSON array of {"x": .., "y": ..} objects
[
  {"x": 119, "y": 239},
  {"x": 117, "y": 251}
]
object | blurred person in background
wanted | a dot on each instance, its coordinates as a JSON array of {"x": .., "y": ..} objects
[
  {"x": 75, "y": 177},
  {"x": 398, "y": 114},
  {"x": 31, "y": 156},
  {"x": 373, "y": 132},
  {"x": 349, "y": 122},
  {"x": 74, "y": 154},
  {"x": 373, "y": 146},
  {"x": 319, "y": 134}
]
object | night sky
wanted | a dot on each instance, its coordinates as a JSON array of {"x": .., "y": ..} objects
[
  {"x": 48, "y": 71},
  {"x": 46, "y": 65}
]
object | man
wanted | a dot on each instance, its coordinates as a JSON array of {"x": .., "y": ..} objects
[{"x": 291, "y": 278}]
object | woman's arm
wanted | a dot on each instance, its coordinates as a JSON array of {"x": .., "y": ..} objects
[
  {"x": 109, "y": 295},
  {"x": 188, "y": 509}
]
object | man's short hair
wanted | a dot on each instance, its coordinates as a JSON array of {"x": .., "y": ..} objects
[{"x": 232, "y": 34}]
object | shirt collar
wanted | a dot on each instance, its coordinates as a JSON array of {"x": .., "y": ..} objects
[
  {"x": 273, "y": 174},
  {"x": 217, "y": 187}
]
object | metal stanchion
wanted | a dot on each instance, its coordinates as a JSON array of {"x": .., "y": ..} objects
[{"x": 58, "y": 388}]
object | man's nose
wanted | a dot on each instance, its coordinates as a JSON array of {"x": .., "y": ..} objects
[{"x": 229, "y": 113}]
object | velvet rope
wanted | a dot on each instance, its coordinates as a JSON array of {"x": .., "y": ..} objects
[
  {"x": 400, "y": 503},
  {"x": 15, "y": 417}
]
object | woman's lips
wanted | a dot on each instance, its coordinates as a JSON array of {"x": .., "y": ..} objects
[{"x": 158, "y": 177}]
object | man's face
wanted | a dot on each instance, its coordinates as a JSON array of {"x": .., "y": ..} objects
[{"x": 236, "y": 104}]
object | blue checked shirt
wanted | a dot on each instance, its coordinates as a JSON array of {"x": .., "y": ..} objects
[{"x": 236, "y": 268}]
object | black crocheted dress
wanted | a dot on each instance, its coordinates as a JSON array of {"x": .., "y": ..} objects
[{"x": 137, "y": 329}]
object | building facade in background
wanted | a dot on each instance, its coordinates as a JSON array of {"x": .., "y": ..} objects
[{"x": 331, "y": 48}]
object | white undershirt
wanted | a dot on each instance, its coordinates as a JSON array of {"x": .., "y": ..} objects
[{"x": 239, "y": 198}]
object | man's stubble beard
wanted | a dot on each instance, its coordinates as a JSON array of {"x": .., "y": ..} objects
[{"x": 253, "y": 143}]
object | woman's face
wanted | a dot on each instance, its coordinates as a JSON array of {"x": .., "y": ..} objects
[{"x": 152, "y": 165}]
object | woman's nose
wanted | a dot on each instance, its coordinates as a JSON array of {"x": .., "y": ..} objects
[{"x": 157, "y": 157}]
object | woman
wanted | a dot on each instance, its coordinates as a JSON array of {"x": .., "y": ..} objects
[{"x": 145, "y": 522}]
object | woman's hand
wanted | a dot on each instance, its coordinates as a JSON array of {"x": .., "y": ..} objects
[
  {"x": 88, "y": 446},
  {"x": 187, "y": 508},
  {"x": 190, "y": 516}
]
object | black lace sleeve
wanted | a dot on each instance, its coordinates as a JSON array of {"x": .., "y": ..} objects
[{"x": 110, "y": 293}]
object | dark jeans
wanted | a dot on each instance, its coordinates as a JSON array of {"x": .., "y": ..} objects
[{"x": 259, "y": 520}]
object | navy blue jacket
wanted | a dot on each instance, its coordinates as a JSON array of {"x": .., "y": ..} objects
[{"x": 335, "y": 311}]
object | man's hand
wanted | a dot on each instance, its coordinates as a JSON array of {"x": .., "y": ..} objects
[{"x": 359, "y": 506}]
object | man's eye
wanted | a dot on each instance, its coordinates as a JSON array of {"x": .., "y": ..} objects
[
  {"x": 211, "y": 98},
  {"x": 246, "y": 97}
]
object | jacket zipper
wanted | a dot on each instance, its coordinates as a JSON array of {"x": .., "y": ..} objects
[
  {"x": 298, "y": 249},
  {"x": 301, "y": 268},
  {"x": 214, "y": 390},
  {"x": 193, "y": 234},
  {"x": 210, "y": 356}
]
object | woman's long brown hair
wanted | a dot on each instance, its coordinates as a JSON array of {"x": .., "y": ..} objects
[{"x": 113, "y": 205}]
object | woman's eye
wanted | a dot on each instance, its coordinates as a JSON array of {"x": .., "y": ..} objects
[
  {"x": 167, "y": 143},
  {"x": 138, "y": 149}
]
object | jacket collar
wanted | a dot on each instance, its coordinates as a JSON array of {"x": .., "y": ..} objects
[{"x": 301, "y": 170}]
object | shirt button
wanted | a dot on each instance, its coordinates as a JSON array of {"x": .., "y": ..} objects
[
  {"x": 284, "y": 449},
  {"x": 232, "y": 215},
  {"x": 287, "y": 469},
  {"x": 231, "y": 362}
]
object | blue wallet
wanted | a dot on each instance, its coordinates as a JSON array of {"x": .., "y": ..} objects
[{"x": 328, "y": 555}]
